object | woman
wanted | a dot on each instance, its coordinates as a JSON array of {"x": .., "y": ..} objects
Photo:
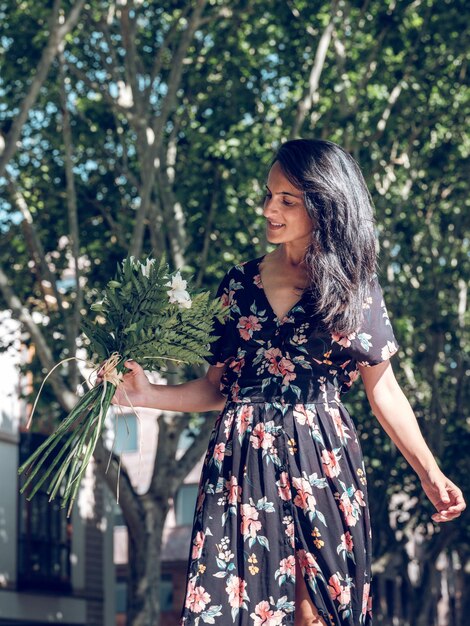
[{"x": 281, "y": 530}]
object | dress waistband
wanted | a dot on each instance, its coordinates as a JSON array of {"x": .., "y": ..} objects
[{"x": 330, "y": 395}]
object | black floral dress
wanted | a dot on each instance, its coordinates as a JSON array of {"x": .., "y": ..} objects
[{"x": 284, "y": 471}]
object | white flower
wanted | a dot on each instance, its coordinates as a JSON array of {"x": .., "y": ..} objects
[
  {"x": 146, "y": 268},
  {"x": 177, "y": 283},
  {"x": 178, "y": 294}
]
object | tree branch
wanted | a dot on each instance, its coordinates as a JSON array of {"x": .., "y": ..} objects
[
  {"x": 307, "y": 101},
  {"x": 173, "y": 214},
  {"x": 207, "y": 232},
  {"x": 66, "y": 398},
  {"x": 113, "y": 225},
  {"x": 131, "y": 58},
  {"x": 57, "y": 34},
  {"x": 129, "y": 501},
  {"x": 94, "y": 86},
  {"x": 392, "y": 99},
  {"x": 36, "y": 250},
  {"x": 160, "y": 56},
  {"x": 193, "y": 454},
  {"x": 115, "y": 65},
  {"x": 73, "y": 330},
  {"x": 149, "y": 171},
  {"x": 176, "y": 73}
]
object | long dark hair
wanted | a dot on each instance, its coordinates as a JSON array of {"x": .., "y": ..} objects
[{"x": 342, "y": 256}]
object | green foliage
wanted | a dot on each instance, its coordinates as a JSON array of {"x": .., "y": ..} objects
[
  {"x": 393, "y": 91},
  {"x": 137, "y": 321}
]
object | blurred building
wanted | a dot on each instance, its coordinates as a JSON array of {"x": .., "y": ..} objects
[
  {"x": 136, "y": 440},
  {"x": 53, "y": 570}
]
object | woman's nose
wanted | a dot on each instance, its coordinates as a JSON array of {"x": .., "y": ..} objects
[{"x": 269, "y": 209}]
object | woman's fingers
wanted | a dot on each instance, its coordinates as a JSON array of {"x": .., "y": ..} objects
[
  {"x": 451, "y": 508},
  {"x": 132, "y": 365}
]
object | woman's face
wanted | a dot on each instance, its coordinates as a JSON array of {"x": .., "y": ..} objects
[{"x": 287, "y": 219}]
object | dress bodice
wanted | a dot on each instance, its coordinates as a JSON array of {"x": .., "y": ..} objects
[{"x": 293, "y": 360}]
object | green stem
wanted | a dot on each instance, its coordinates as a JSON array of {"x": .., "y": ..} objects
[
  {"x": 103, "y": 409},
  {"x": 54, "y": 439},
  {"x": 46, "y": 474},
  {"x": 79, "y": 447}
]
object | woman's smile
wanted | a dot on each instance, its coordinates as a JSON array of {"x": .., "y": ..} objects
[{"x": 275, "y": 225}]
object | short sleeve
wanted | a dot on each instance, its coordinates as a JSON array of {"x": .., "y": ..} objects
[
  {"x": 374, "y": 341},
  {"x": 225, "y": 346}
]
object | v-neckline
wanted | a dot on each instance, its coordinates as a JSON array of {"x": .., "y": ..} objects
[{"x": 278, "y": 321}]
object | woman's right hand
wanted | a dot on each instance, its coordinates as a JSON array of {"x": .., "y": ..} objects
[{"x": 133, "y": 388}]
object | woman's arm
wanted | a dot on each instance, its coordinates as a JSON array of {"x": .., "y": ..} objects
[
  {"x": 392, "y": 409},
  {"x": 201, "y": 394}
]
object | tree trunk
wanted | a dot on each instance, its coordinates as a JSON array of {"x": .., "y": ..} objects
[{"x": 145, "y": 566}]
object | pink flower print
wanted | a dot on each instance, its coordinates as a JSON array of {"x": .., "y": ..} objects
[
  {"x": 338, "y": 422},
  {"x": 250, "y": 523},
  {"x": 265, "y": 616},
  {"x": 304, "y": 499},
  {"x": 286, "y": 368},
  {"x": 219, "y": 451},
  {"x": 272, "y": 355},
  {"x": 308, "y": 563},
  {"x": 248, "y": 325},
  {"x": 237, "y": 365},
  {"x": 283, "y": 487},
  {"x": 225, "y": 299},
  {"x": 257, "y": 281},
  {"x": 228, "y": 422},
  {"x": 244, "y": 418},
  {"x": 340, "y": 593},
  {"x": 234, "y": 491},
  {"x": 365, "y": 598},
  {"x": 359, "y": 497},
  {"x": 348, "y": 510},
  {"x": 235, "y": 589},
  {"x": 347, "y": 541},
  {"x": 343, "y": 340},
  {"x": 287, "y": 566},
  {"x": 261, "y": 438},
  {"x": 303, "y": 415},
  {"x": 235, "y": 390},
  {"x": 290, "y": 530},
  {"x": 353, "y": 376},
  {"x": 389, "y": 350},
  {"x": 198, "y": 542},
  {"x": 330, "y": 463},
  {"x": 197, "y": 598}
]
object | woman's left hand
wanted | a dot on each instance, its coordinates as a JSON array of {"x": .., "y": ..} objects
[{"x": 444, "y": 494}]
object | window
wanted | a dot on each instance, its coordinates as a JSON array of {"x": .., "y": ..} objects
[
  {"x": 121, "y": 596},
  {"x": 185, "y": 504},
  {"x": 125, "y": 428},
  {"x": 44, "y": 533},
  {"x": 117, "y": 515},
  {"x": 166, "y": 592}
]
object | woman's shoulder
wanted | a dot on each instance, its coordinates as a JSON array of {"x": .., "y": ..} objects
[{"x": 243, "y": 268}]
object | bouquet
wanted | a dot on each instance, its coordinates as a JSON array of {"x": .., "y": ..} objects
[{"x": 146, "y": 314}]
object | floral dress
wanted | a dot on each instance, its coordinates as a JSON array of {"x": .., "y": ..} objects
[{"x": 284, "y": 471}]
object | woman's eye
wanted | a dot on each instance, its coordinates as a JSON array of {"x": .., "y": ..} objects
[{"x": 284, "y": 201}]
